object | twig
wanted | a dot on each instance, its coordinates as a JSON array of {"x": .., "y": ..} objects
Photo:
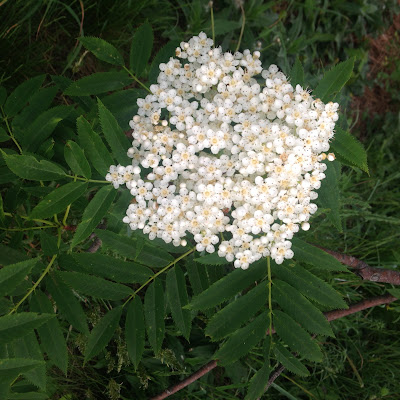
[
  {"x": 366, "y": 272},
  {"x": 330, "y": 316},
  {"x": 274, "y": 376},
  {"x": 192, "y": 378}
]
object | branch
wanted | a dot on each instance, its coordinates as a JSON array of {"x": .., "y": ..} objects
[
  {"x": 330, "y": 316},
  {"x": 366, "y": 272}
]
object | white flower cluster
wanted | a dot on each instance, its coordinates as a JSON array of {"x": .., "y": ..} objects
[{"x": 226, "y": 156}]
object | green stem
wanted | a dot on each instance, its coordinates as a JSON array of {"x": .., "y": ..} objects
[
  {"x": 157, "y": 274},
  {"x": 269, "y": 295},
  {"x": 43, "y": 221},
  {"x": 85, "y": 179},
  {"x": 10, "y": 131},
  {"x": 45, "y": 272},
  {"x": 136, "y": 79},
  {"x": 242, "y": 29},
  {"x": 28, "y": 229},
  {"x": 212, "y": 22}
]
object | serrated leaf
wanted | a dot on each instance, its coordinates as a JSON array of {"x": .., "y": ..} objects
[
  {"x": 48, "y": 243},
  {"x": 309, "y": 285},
  {"x": 289, "y": 361},
  {"x": 154, "y": 315},
  {"x": 328, "y": 194},
  {"x": 242, "y": 341},
  {"x": 112, "y": 268},
  {"x": 135, "y": 331},
  {"x": 27, "y": 167},
  {"x": 310, "y": 254},
  {"x": 297, "y": 74},
  {"x": 8, "y": 255},
  {"x": 12, "y": 367},
  {"x": 197, "y": 276},
  {"x": 333, "y": 81},
  {"x": 102, "y": 333},
  {"x": 94, "y": 213},
  {"x": 300, "y": 309},
  {"x": 76, "y": 160},
  {"x": 228, "y": 286},
  {"x": 59, "y": 199},
  {"x": 18, "y": 325},
  {"x": 51, "y": 336},
  {"x": 43, "y": 126},
  {"x": 103, "y": 50},
  {"x": 66, "y": 302},
  {"x": 125, "y": 246},
  {"x": 94, "y": 147},
  {"x": 141, "y": 46},
  {"x": 162, "y": 56},
  {"x": 235, "y": 314},
  {"x": 93, "y": 286},
  {"x": 28, "y": 347},
  {"x": 12, "y": 275},
  {"x": 349, "y": 150},
  {"x": 296, "y": 337},
  {"x": 395, "y": 292},
  {"x": 258, "y": 383},
  {"x": 99, "y": 82},
  {"x": 178, "y": 298},
  {"x": 212, "y": 259},
  {"x": 21, "y": 95},
  {"x": 114, "y": 135}
]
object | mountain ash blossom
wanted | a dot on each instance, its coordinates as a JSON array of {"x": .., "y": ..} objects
[{"x": 227, "y": 153}]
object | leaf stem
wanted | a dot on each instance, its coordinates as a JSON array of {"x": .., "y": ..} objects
[
  {"x": 136, "y": 79},
  {"x": 28, "y": 229},
  {"x": 45, "y": 272},
  {"x": 212, "y": 22},
  {"x": 85, "y": 179},
  {"x": 269, "y": 294},
  {"x": 43, "y": 221},
  {"x": 242, "y": 29},
  {"x": 10, "y": 131},
  {"x": 157, "y": 274}
]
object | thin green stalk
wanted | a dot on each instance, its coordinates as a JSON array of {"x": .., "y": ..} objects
[
  {"x": 269, "y": 295},
  {"x": 45, "y": 272},
  {"x": 43, "y": 221},
  {"x": 157, "y": 274},
  {"x": 85, "y": 179},
  {"x": 10, "y": 131},
  {"x": 212, "y": 21},
  {"x": 32, "y": 228},
  {"x": 242, "y": 29},
  {"x": 136, "y": 79}
]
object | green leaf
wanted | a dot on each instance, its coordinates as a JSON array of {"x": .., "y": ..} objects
[
  {"x": 395, "y": 292},
  {"x": 127, "y": 247},
  {"x": 135, "y": 331},
  {"x": 289, "y": 361},
  {"x": 28, "y": 347},
  {"x": 349, "y": 150},
  {"x": 141, "y": 46},
  {"x": 178, "y": 298},
  {"x": 76, "y": 160},
  {"x": 21, "y": 95},
  {"x": 258, "y": 383},
  {"x": 51, "y": 336},
  {"x": 228, "y": 286},
  {"x": 197, "y": 277},
  {"x": 328, "y": 194},
  {"x": 8, "y": 255},
  {"x": 310, "y": 254},
  {"x": 12, "y": 367},
  {"x": 12, "y": 275},
  {"x": 28, "y": 396},
  {"x": 223, "y": 26},
  {"x": 297, "y": 74},
  {"x": 114, "y": 135},
  {"x": 102, "y": 333},
  {"x": 154, "y": 314},
  {"x": 4, "y": 136},
  {"x": 66, "y": 302},
  {"x": 93, "y": 213},
  {"x": 18, "y": 325},
  {"x": 300, "y": 309},
  {"x": 27, "y": 167},
  {"x": 93, "y": 286},
  {"x": 3, "y": 95},
  {"x": 112, "y": 268},
  {"x": 235, "y": 314},
  {"x": 99, "y": 82},
  {"x": 296, "y": 337},
  {"x": 243, "y": 340},
  {"x": 43, "y": 126},
  {"x": 162, "y": 56},
  {"x": 309, "y": 285},
  {"x": 334, "y": 80},
  {"x": 59, "y": 199},
  {"x": 212, "y": 259},
  {"x": 103, "y": 50},
  {"x": 48, "y": 243},
  {"x": 94, "y": 147}
]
